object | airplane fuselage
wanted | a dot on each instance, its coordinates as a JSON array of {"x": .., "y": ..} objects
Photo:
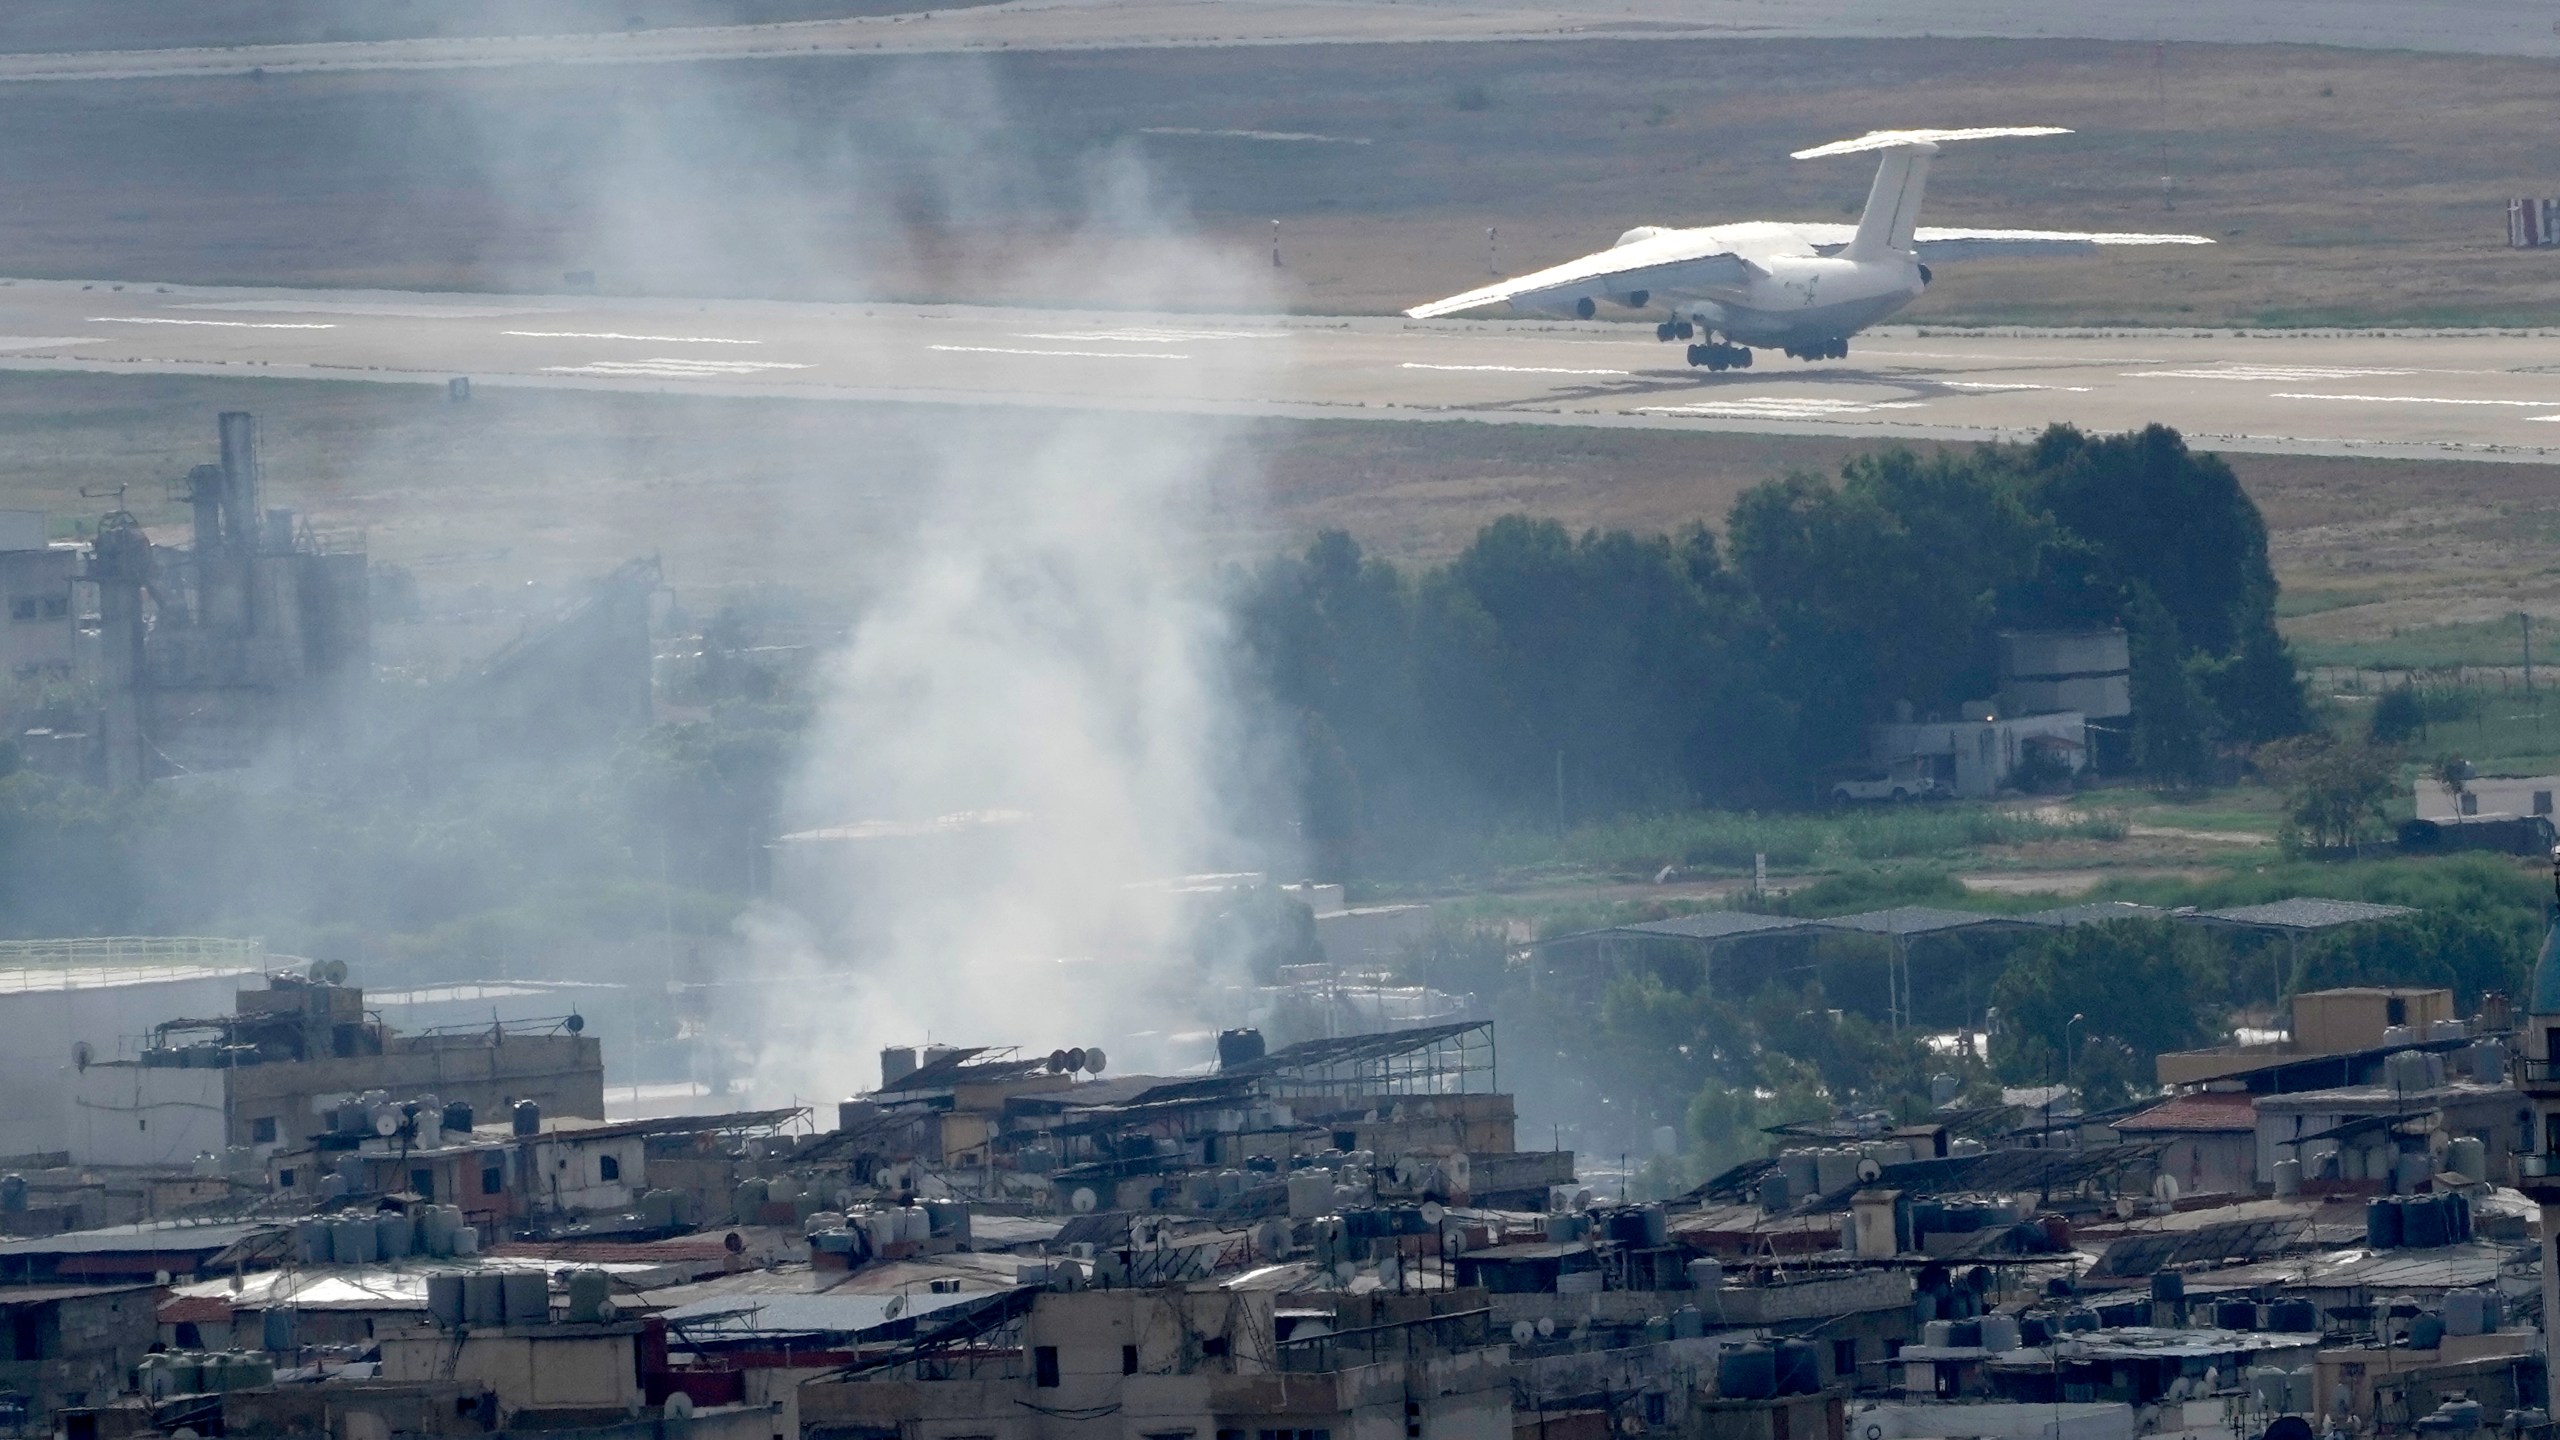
[{"x": 1797, "y": 290}]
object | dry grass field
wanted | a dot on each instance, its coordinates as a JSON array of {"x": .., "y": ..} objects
[
  {"x": 532, "y": 489},
  {"x": 2345, "y": 187}
]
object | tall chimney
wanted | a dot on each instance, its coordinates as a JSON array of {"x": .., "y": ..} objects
[{"x": 242, "y": 517}]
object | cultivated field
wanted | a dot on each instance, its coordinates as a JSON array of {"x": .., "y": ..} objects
[{"x": 2344, "y": 186}]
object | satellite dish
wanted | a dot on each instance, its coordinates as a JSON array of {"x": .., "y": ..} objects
[
  {"x": 386, "y": 1123},
  {"x": 2165, "y": 1188},
  {"x": 896, "y": 1307},
  {"x": 320, "y": 971},
  {"x": 334, "y": 971},
  {"x": 159, "y": 1277},
  {"x": 1075, "y": 1058},
  {"x": 1433, "y": 1212},
  {"x": 1346, "y": 1272},
  {"x": 2124, "y": 1207},
  {"x": 575, "y": 1023},
  {"x": 1093, "y": 1059},
  {"x": 734, "y": 1243},
  {"x": 679, "y": 1406},
  {"x": 1522, "y": 1331},
  {"x": 606, "y": 1310},
  {"x": 1546, "y": 1327},
  {"x": 1058, "y": 1061},
  {"x": 82, "y": 1052},
  {"x": 1389, "y": 1272},
  {"x": 1083, "y": 1201},
  {"x": 1870, "y": 1170}
]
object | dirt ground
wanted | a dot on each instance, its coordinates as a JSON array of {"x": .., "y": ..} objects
[
  {"x": 2342, "y": 185},
  {"x": 520, "y": 491}
]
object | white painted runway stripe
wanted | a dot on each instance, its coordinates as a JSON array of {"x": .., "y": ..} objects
[
  {"x": 2000, "y": 385},
  {"x": 2419, "y": 400},
  {"x": 686, "y": 368},
  {"x": 2277, "y": 373},
  {"x": 1515, "y": 369},
  {"x": 1780, "y": 407},
  {"x": 614, "y": 335},
  {"x": 1076, "y": 354},
  {"x": 1154, "y": 336},
  {"x": 225, "y": 324},
  {"x": 45, "y": 342}
]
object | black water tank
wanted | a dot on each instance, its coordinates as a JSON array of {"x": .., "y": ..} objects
[
  {"x": 2168, "y": 1285},
  {"x": 457, "y": 1115},
  {"x": 2294, "y": 1317},
  {"x": 1746, "y": 1372},
  {"x": 1238, "y": 1047},
  {"x": 2382, "y": 1222},
  {"x": 2235, "y": 1315},
  {"x": 528, "y": 1118},
  {"x": 1799, "y": 1368}
]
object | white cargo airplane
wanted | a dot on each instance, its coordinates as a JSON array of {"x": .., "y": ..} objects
[{"x": 1802, "y": 288}]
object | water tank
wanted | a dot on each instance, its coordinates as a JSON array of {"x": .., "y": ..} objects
[
  {"x": 590, "y": 1291},
  {"x": 1688, "y": 1323},
  {"x": 2288, "y": 1172},
  {"x": 897, "y": 1062},
  {"x": 2423, "y": 1223},
  {"x": 2381, "y": 1223},
  {"x": 1938, "y": 1334},
  {"x": 2168, "y": 1285},
  {"x": 1802, "y": 1172},
  {"x": 280, "y": 1330},
  {"x": 1835, "y": 1169},
  {"x": 1774, "y": 1195},
  {"x": 525, "y": 1297},
  {"x": 2125, "y": 1312},
  {"x": 1964, "y": 1334},
  {"x": 2075, "y": 1322},
  {"x": 1999, "y": 1333},
  {"x": 483, "y": 1299},
  {"x": 1747, "y": 1372},
  {"x": 13, "y": 1193},
  {"x": 351, "y": 1240},
  {"x": 391, "y": 1232},
  {"x": 1239, "y": 1047},
  {"x": 2411, "y": 1170},
  {"x": 444, "y": 1299},
  {"x": 1706, "y": 1274},
  {"x": 2294, "y": 1317},
  {"x": 2457, "y": 1216},
  {"x": 2235, "y": 1315},
  {"x": 2426, "y": 1333},
  {"x": 2034, "y": 1330},
  {"x": 457, "y": 1116},
  {"x": 1799, "y": 1368},
  {"x": 528, "y": 1119},
  {"x": 466, "y": 1242},
  {"x": 311, "y": 1243},
  {"x": 250, "y": 1371}
]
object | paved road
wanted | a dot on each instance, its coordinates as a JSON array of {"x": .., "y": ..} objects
[
  {"x": 2494, "y": 27},
  {"x": 2492, "y": 396}
]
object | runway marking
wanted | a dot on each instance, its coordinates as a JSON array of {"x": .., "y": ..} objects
[
  {"x": 617, "y": 335},
  {"x": 1154, "y": 337},
  {"x": 45, "y": 342},
  {"x": 1515, "y": 369},
  {"x": 1076, "y": 354},
  {"x": 1298, "y": 136},
  {"x": 2277, "y": 373},
  {"x": 689, "y": 367},
  {"x": 1780, "y": 407},
  {"x": 2420, "y": 400},
  {"x": 372, "y": 307},
  {"x": 226, "y": 324},
  {"x": 2000, "y": 385}
]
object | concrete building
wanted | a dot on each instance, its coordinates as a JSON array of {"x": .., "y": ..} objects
[
  {"x": 2046, "y": 672},
  {"x": 106, "y": 993},
  {"x": 287, "y": 1065},
  {"x": 2432, "y": 799},
  {"x": 1976, "y": 755},
  {"x": 2209, "y": 1141},
  {"x": 39, "y": 640}
]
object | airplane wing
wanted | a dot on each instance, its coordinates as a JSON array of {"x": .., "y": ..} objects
[
  {"x": 1673, "y": 263},
  {"x": 1945, "y": 243}
]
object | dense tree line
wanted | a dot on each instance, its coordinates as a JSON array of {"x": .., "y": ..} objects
[{"x": 1542, "y": 671}]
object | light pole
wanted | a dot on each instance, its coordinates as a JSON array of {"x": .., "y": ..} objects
[{"x": 2070, "y": 1073}]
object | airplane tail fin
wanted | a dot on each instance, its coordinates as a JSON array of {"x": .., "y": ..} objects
[{"x": 1893, "y": 204}]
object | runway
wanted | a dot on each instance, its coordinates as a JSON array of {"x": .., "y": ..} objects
[
  {"x": 2489, "y": 27},
  {"x": 2450, "y": 394}
]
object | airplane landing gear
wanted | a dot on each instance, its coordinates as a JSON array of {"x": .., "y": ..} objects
[
  {"x": 1720, "y": 357},
  {"x": 1835, "y": 349},
  {"x": 1670, "y": 330}
]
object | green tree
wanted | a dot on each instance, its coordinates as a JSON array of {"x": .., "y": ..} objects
[
  {"x": 2135, "y": 982},
  {"x": 2335, "y": 791},
  {"x": 2398, "y": 718},
  {"x": 2173, "y": 723}
]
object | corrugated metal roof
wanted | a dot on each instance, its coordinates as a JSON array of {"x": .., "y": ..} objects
[
  {"x": 2303, "y": 912},
  {"x": 2448, "y": 1267},
  {"x": 1909, "y": 920},
  {"x": 2095, "y": 912},
  {"x": 1709, "y": 925},
  {"x": 146, "y": 1238},
  {"x": 829, "y": 1314}
]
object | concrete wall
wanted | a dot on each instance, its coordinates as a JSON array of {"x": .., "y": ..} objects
[
  {"x": 568, "y": 1172},
  {"x": 2489, "y": 795},
  {"x": 38, "y": 630},
  {"x": 125, "y": 1114},
  {"x": 42, "y": 1014},
  {"x": 1982, "y": 752},
  {"x": 564, "y": 1074},
  {"x": 2334, "y": 1022},
  {"x": 538, "y": 1367}
]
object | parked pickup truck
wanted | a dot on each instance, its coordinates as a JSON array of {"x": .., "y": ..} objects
[{"x": 1897, "y": 784}]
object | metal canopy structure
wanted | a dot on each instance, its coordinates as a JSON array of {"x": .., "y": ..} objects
[
  {"x": 2301, "y": 915},
  {"x": 1433, "y": 1060},
  {"x": 1712, "y": 925},
  {"x": 2095, "y": 912},
  {"x": 2231, "y": 1241}
]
